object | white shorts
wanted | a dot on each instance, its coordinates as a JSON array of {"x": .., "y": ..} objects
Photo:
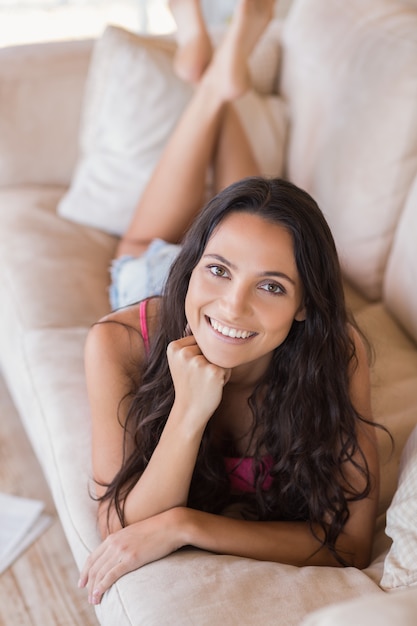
[{"x": 136, "y": 278}]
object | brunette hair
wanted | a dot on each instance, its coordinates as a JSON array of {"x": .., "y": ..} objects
[{"x": 303, "y": 416}]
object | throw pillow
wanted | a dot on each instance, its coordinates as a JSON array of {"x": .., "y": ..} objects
[
  {"x": 132, "y": 102},
  {"x": 400, "y": 565}
]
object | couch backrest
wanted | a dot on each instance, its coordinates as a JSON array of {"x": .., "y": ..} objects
[
  {"x": 41, "y": 93},
  {"x": 349, "y": 73}
]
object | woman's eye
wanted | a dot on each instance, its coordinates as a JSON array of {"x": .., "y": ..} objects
[
  {"x": 273, "y": 288},
  {"x": 217, "y": 270}
]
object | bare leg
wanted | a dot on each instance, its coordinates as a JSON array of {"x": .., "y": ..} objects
[
  {"x": 175, "y": 192},
  {"x": 234, "y": 158},
  {"x": 194, "y": 45}
]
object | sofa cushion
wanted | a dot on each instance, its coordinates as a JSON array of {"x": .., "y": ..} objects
[
  {"x": 48, "y": 265},
  {"x": 133, "y": 101},
  {"x": 206, "y": 589},
  {"x": 400, "y": 293},
  {"x": 350, "y": 77},
  {"x": 376, "y": 608},
  {"x": 400, "y": 566},
  {"x": 57, "y": 421}
]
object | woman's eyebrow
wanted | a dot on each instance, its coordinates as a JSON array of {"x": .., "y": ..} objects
[
  {"x": 220, "y": 258},
  {"x": 272, "y": 273}
]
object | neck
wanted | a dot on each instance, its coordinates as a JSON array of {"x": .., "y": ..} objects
[{"x": 247, "y": 376}]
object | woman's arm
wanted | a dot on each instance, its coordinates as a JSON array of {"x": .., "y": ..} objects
[
  {"x": 114, "y": 352},
  {"x": 113, "y": 356}
]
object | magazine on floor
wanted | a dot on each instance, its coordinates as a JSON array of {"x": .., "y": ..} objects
[{"x": 22, "y": 520}]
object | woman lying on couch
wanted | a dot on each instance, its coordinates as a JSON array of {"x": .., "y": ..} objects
[{"x": 233, "y": 413}]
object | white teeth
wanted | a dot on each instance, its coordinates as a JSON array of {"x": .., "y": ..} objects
[{"x": 230, "y": 332}]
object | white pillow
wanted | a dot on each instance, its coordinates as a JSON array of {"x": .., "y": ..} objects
[
  {"x": 132, "y": 102},
  {"x": 400, "y": 565}
]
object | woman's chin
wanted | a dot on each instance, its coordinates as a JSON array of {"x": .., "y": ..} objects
[{"x": 222, "y": 357}]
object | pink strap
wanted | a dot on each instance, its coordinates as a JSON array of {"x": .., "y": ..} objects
[{"x": 144, "y": 324}]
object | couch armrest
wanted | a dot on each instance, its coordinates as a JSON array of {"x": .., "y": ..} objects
[{"x": 41, "y": 91}]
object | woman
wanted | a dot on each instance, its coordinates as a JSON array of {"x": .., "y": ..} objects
[{"x": 233, "y": 413}]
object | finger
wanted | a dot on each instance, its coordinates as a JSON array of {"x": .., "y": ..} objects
[
  {"x": 89, "y": 563},
  {"x": 187, "y": 331},
  {"x": 187, "y": 340},
  {"x": 106, "y": 578},
  {"x": 96, "y": 572},
  {"x": 177, "y": 347},
  {"x": 97, "y": 563}
]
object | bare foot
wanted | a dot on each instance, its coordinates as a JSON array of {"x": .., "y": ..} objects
[
  {"x": 229, "y": 68},
  {"x": 194, "y": 44}
]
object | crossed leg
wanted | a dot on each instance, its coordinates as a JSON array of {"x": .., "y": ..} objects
[{"x": 208, "y": 134}]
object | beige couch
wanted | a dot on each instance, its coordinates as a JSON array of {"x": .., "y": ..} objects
[{"x": 342, "y": 124}]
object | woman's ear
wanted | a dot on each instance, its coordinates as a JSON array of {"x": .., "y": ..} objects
[{"x": 301, "y": 314}]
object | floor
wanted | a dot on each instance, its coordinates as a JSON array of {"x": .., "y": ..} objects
[{"x": 40, "y": 588}]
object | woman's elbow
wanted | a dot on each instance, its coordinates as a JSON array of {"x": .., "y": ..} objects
[
  {"x": 107, "y": 522},
  {"x": 358, "y": 556}
]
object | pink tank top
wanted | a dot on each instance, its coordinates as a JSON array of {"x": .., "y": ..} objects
[
  {"x": 240, "y": 471},
  {"x": 242, "y": 476},
  {"x": 144, "y": 324}
]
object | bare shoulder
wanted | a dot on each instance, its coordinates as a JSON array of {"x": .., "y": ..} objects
[{"x": 117, "y": 337}]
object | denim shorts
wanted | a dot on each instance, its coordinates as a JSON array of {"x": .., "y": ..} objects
[{"x": 136, "y": 278}]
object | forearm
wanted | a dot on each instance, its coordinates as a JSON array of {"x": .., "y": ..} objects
[
  {"x": 292, "y": 543},
  {"x": 165, "y": 483}
]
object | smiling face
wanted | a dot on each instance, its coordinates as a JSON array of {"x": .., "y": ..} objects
[{"x": 244, "y": 293}]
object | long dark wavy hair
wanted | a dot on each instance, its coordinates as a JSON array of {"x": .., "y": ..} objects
[{"x": 303, "y": 416}]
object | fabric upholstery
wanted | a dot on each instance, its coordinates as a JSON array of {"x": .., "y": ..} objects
[
  {"x": 39, "y": 303},
  {"x": 394, "y": 608},
  {"x": 41, "y": 97}
]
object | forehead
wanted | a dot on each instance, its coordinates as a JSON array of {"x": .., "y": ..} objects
[{"x": 251, "y": 235}]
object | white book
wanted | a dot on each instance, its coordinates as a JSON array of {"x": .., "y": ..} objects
[{"x": 21, "y": 522}]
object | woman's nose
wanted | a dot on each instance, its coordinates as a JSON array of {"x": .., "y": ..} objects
[{"x": 237, "y": 301}]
